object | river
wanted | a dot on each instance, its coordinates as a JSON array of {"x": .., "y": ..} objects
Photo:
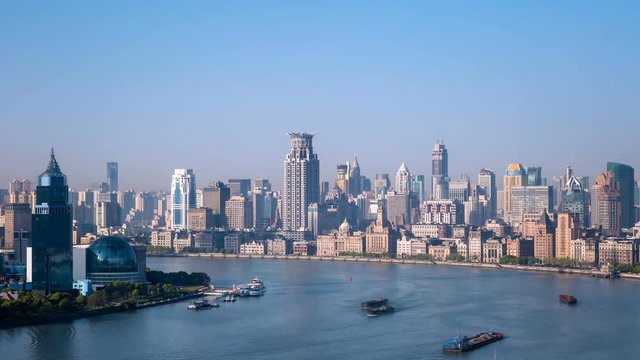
[{"x": 312, "y": 311}]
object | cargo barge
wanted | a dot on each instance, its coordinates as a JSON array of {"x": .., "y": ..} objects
[
  {"x": 460, "y": 344},
  {"x": 568, "y": 299}
]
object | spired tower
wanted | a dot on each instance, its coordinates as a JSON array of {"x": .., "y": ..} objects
[
  {"x": 51, "y": 257},
  {"x": 403, "y": 180},
  {"x": 355, "y": 182},
  {"x": 301, "y": 182}
]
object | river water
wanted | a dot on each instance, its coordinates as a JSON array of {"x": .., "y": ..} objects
[{"x": 312, "y": 311}]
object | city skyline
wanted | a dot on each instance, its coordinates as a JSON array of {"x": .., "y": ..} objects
[
  {"x": 519, "y": 82},
  {"x": 327, "y": 173}
]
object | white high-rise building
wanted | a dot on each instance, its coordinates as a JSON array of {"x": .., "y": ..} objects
[
  {"x": 183, "y": 197},
  {"x": 403, "y": 180},
  {"x": 301, "y": 181}
]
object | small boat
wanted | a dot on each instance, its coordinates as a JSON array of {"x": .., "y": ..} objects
[
  {"x": 568, "y": 299},
  {"x": 373, "y": 304},
  {"x": 202, "y": 305},
  {"x": 230, "y": 298},
  {"x": 460, "y": 344},
  {"x": 255, "y": 287}
]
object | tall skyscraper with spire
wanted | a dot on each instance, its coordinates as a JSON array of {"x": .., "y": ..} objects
[
  {"x": 403, "y": 180},
  {"x": 51, "y": 257},
  {"x": 439, "y": 172},
  {"x": 355, "y": 181},
  {"x": 301, "y": 181}
]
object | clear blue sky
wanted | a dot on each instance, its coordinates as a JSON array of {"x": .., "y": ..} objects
[{"x": 214, "y": 86}]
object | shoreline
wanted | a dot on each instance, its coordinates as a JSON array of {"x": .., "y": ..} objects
[
  {"x": 64, "y": 317},
  {"x": 545, "y": 269}
]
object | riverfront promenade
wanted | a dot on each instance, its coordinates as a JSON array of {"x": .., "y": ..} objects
[{"x": 548, "y": 269}]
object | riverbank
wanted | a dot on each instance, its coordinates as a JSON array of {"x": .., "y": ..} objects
[
  {"x": 81, "y": 314},
  {"x": 547, "y": 269}
]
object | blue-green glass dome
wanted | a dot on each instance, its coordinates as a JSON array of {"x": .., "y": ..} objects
[{"x": 111, "y": 254}]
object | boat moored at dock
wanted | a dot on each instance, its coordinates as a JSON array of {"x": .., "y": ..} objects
[{"x": 460, "y": 344}]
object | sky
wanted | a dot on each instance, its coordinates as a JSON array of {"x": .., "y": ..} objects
[{"x": 215, "y": 86}]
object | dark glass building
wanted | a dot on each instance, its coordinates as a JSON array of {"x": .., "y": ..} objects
[
  {"x": 534, "y": 175},
  {"x": 112, "y": 258},
  {"x": 624, "y": 175},
  {"x": 112, "y": 176},
  {"x": 51, "y": 261}
]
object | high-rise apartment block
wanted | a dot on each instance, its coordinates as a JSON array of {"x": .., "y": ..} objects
[
  {"x": 183, "y": 197},
  {"x": 301, "y": 181},
  {"x": 606, "y": 204}
]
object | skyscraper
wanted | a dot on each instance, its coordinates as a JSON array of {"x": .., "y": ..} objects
[
  {"x": 355, "y": 181},
  {"x": 439, "y": 171},
  {"x": 606, "y": 204},
  {"x": 515, "y": 176},
  {"x": 624, "y": 175},
  {"x": 301, "y": 181},
  {"x": 574, "y": 200},
  {"x": 487, "y": 182},
  {"x": 183, "y": 197},
  {"x": 568, "y": 229},
  {"x": 417, "y": 186},
  {"x": 112, "y": 176},
  {"x": 51, "y": 261},
  {"x": 342, "y": 182},
  {"x": 403, "y": 180},
  {"x": 534, "y": 175},
  {"x": 239, "y": 186}
]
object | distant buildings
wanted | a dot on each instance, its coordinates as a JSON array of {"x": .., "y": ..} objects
[
  {"x": 239, "y": 186},
  {"x": 340, "y": 242},
  {"x": 417, "y": 187},
  {"x": 380, "y": 236},
  {"x": 447, "y": 212},
  {"x": 301, "y": 182},
  {"x": 183, "y": 197},
  {"x": 528, "y": 199}
]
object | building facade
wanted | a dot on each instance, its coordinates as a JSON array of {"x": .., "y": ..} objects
[
  {"x": 183, "y": 197},
  {"x": 301, "y": 182}
]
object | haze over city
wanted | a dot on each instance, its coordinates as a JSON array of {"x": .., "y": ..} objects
[{"x": 215, "y": 87}]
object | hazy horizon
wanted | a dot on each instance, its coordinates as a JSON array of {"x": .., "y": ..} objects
[{"x": 216, "y": 86}]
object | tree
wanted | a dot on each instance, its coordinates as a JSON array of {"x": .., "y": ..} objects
[
  {"x": 81, "y": 301},
  {"x": 97, "y": 299},
  {"x": 65, "y": 305}
]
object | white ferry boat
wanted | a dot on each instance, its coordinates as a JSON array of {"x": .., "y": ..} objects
[{"x": 254, "y": 288}]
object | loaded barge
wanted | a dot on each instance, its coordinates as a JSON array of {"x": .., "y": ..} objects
[{"x": 460, "y": 344}]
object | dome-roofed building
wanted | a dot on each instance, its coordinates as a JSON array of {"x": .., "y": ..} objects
[{"x": 112, "y": 258}]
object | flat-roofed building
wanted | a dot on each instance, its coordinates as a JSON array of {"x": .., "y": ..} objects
[
  {"x": 252, "y": 248},
  {"x": 493, "y": 250},
  {"x": 520, "y": 247},
  {"x": 614, "y": 251},
  {"x": 441, "y": 252},
  {"x": 407, "y": 248}
]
